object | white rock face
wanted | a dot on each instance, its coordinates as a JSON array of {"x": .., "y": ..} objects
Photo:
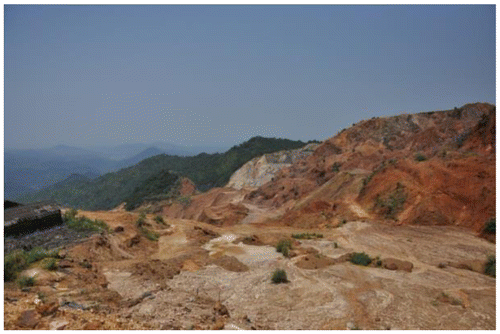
[{"x": 262, "y": 169}]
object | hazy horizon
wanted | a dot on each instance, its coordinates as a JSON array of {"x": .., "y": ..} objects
[{"x": 216, "y": 76}]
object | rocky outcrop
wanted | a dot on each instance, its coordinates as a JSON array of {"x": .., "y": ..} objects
[{"x": 261, "y": 170}]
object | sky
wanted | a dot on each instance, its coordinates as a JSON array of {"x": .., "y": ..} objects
[{"x": 219, "y": 75}]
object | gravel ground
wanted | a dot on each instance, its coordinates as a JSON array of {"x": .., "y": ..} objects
[{"x": 49, "y": 238}]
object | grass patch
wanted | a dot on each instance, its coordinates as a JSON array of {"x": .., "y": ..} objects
[
  {"x": 19, "y": 260},
  {"x": 361, "y": 259},
  {"x": 279, "y": 276},
  {"x": 307, "y": 236},
  {"x": 49, "y": 264},
  {"x": 150, "y": 235},
  {"x": 83, "y": 223},
  {"x": 490, "y": 268},
  {"x": 25, "y": 281}
]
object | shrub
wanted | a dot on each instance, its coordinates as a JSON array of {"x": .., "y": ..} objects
[
  {"x": 336, "y": 167},
  {"x": 361, "y": 259},
  {"x": 279, "y": 276},
  {"x": 25, "y": 281},
  {"x": 141, "y": 221},
  {"x": 282, "y": 245},
  {"x": 490, "y": 268},
  {"x": 420, "y": 157},
  {"x": 490, "y": 226},
  {"x": 150, "y": 235},
  {"x": 50, "y": 264},
  {"x": 14, "y": 263},
  {"x": 159, "y": 220}
]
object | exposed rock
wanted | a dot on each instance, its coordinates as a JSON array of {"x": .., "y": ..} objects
[
  {"x": 395, "y": 264},
  {"x": 28, "y": 319},
  {"x": 260, "y": 170},
  {"x": 58, "y": 324}
]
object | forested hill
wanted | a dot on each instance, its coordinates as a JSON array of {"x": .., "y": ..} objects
[{"x": 157, "y": 175}]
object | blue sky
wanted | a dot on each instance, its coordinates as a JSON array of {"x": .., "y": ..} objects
[{"x": 218, "y": 75}]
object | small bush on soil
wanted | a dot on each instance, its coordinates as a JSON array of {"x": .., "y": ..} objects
[
  {"x": 490, "y": 268},
  {"x": 14, "y": 263},
  {"x": 159, "y": 220},
  {"x": 25, "y": 281},
  {"x": 150, "y": 235},
  {"x": 283, "y": 244},
  {"x": 490, "y": 226},
  {"x": 279, "y": 276},
  {"x": 361, "y": 259},
  {"x": 420, "y": 157},
  {"x": 50, "y": 264},
  {"x": 141, "y": 221}
]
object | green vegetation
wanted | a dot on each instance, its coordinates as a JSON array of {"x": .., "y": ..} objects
[
  {"x": 159, "y": 220},
  {"x": 279, "y": 276},
  {"x": 284, "y": 247},
  {"x": 490, "y": 268},
  {"x": 307, "y": 236},
  {"x": 19, "y": 260},
  {"x": 184, "y": 200},
  {"x": 160, "y": 183},
  {"x": 490, "y": 226},
  {"x": 49, "y": 263},
  {"x": 156, "y": 177},
  {"x": 336, "y": 167},
  {"x": 360, "y": 259},
  {"x": 420, "y": 157},
  {"x": 150, "y": 235},
  {"x": 141, "y": 221},
  {"x": 25, "y": 281},
  {"x": 373, "y": 173},
  {"x": 394, "y": 203},
  {"x": 86, "y": 224}
]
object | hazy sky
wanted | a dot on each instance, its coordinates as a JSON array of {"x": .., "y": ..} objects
[{"x": 211, "y": 75}]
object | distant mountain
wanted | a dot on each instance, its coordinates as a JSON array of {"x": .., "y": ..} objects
[
  {"x": 147, "y": 153},
  {"x": 28, "y": 171},
  {"x": 205, "y": 170}
]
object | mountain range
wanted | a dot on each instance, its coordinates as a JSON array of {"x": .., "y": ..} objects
[{"x": 30, "y": 170}]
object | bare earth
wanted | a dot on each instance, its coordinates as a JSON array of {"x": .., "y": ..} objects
[{"x": 190, "y": 277}]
